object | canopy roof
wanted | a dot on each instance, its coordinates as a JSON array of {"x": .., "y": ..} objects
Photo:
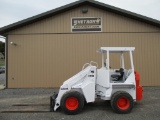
[{"x": 115, "y": 49}]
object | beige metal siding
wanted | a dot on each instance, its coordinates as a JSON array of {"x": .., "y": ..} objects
[{"x": 46, "y": 60}]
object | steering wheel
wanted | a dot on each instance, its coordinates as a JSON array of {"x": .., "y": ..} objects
[
  {"x": 128, "y": 72},
  {"x": 106, "y": 66}
]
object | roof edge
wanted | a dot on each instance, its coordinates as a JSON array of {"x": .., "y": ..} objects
[
  {"x": 40, "y": 16},
  {"x": 127, "y": 13},
  {"x": 64, "y": 8}
]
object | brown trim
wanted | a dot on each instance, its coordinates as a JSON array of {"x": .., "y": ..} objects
[
  {"x": 85, "y": 33},
  {"x": 6, "y": 60}
]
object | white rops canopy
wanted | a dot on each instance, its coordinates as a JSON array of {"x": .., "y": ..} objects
[{"x": 121, "y": 50}]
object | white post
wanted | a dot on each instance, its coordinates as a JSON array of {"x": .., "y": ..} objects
[
  {"x": 102, "y": 59},
  {"x": 108, "y": 75},
  {"x": 131, "y": 58},
  {"x": 122, "y": 60},
  {"x": 107, "y": 61}
]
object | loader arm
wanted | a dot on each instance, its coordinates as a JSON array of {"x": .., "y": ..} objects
[{"x": 76, "y": 78}]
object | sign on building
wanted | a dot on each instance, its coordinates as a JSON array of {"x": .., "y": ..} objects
[{"x": 86, "y": 24}]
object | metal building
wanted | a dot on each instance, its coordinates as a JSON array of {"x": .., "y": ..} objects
[{"x": 45, "y": 50}]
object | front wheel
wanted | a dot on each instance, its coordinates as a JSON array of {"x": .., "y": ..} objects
[
  {"x": 122, "y": 102},
  {"x": 72, "y": 102}
]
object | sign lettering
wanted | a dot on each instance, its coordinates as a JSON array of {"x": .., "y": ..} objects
[{"x": 86, "y": 24}]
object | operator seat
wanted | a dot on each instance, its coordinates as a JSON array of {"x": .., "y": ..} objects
[{"x": 118, "y": 77}]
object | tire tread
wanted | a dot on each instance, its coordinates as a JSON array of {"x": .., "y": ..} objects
[
  {"x": 80, "y": 98},
  {"x": 114, "y": 98}
]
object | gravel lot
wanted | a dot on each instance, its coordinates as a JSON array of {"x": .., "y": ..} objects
[{"x": 147, "y": 109}]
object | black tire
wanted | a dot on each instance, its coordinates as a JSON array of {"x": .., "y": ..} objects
[
  {"x": 122, "y": 102},
  {"x": 76, "y": 98}
]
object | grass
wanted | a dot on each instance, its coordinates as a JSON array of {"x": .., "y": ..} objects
[{"x": 2, "y": 62}]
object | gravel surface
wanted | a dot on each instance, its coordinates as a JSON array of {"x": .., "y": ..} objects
[{"x": 147, "y": 109}]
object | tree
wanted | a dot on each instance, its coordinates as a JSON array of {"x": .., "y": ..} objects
[{"x": 2, "y": 48}]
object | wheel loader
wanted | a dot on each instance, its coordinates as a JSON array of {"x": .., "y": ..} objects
[{"x": 120, "y": 86}]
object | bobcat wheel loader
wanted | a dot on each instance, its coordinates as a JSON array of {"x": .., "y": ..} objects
[{"x": 120, "y": 86}]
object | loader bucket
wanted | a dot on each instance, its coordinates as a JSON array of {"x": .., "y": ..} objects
[{"x": 53, "y": 101}]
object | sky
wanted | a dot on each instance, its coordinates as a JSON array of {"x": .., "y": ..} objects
[{"x": 12, "y": 11}]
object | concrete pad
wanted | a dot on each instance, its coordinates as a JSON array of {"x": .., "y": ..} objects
[{"x": 2, "y": 87}]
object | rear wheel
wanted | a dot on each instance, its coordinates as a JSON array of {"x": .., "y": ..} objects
[
  {"x": 72, "y": 102},
  {"x": 122, "y": 102}
]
